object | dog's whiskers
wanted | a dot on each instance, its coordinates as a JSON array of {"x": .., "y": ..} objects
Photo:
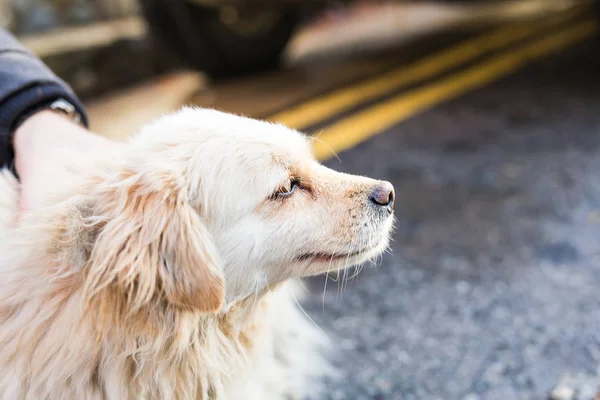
[
  {"x": 327, "y": 275},
  {"x": 325, "y": 290},
  {"x": 305, "y": 313},
  {"x": 315, "y": 138}
]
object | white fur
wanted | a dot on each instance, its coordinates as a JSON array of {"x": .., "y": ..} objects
[{"x": 166, "y": 270}]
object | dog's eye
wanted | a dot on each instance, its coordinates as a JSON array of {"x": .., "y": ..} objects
[{"x": 287, "y": 190}]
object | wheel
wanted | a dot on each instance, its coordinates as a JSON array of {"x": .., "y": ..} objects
[{"x": 222, "y": 42}]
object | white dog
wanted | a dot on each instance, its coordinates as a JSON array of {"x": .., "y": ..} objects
[{"x": 158, "y": 272}]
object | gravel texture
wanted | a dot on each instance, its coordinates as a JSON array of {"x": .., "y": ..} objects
[{"x": 491, "y": 290}]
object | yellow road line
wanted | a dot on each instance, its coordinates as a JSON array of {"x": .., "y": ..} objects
[
  {"x": 321, "y": 108},
  {"x": 357, "y": 128}
]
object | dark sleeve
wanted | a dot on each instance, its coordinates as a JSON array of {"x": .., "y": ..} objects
[{"x": 25, "y": 84}]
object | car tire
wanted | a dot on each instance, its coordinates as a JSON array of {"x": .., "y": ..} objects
[{"x": 201, "y": 37}]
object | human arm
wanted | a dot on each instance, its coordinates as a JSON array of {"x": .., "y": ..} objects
[{"x": 26, "y": 84}]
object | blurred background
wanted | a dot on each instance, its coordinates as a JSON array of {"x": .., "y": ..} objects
[{"x": 485, "y": 115}]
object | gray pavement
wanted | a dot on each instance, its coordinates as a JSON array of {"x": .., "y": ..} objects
[{"x": 491, "y": 290}]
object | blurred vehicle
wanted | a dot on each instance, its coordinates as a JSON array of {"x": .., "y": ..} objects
[{"x": 227, "y": 37}]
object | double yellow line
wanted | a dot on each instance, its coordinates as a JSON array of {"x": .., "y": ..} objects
[{"x": 350, "y": 131}]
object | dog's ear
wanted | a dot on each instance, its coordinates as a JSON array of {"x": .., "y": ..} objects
[{"x": 149, "y": 245}]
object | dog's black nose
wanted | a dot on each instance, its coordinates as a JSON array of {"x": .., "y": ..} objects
[{"x": 383, "y": 195}]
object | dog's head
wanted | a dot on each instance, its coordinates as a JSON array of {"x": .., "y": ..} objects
[{"x": 204, "y": 206}]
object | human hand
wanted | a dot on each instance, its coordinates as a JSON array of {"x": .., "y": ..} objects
[{"x": 38, "y": 142}]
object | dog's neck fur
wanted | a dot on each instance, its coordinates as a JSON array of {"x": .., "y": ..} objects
[{"x": 198, "y": 353}]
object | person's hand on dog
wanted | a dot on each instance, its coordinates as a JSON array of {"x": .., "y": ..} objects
[{"x": 38, "y": 142}]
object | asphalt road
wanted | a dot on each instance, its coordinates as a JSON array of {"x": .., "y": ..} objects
[{"x": 491, "y": 287}]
